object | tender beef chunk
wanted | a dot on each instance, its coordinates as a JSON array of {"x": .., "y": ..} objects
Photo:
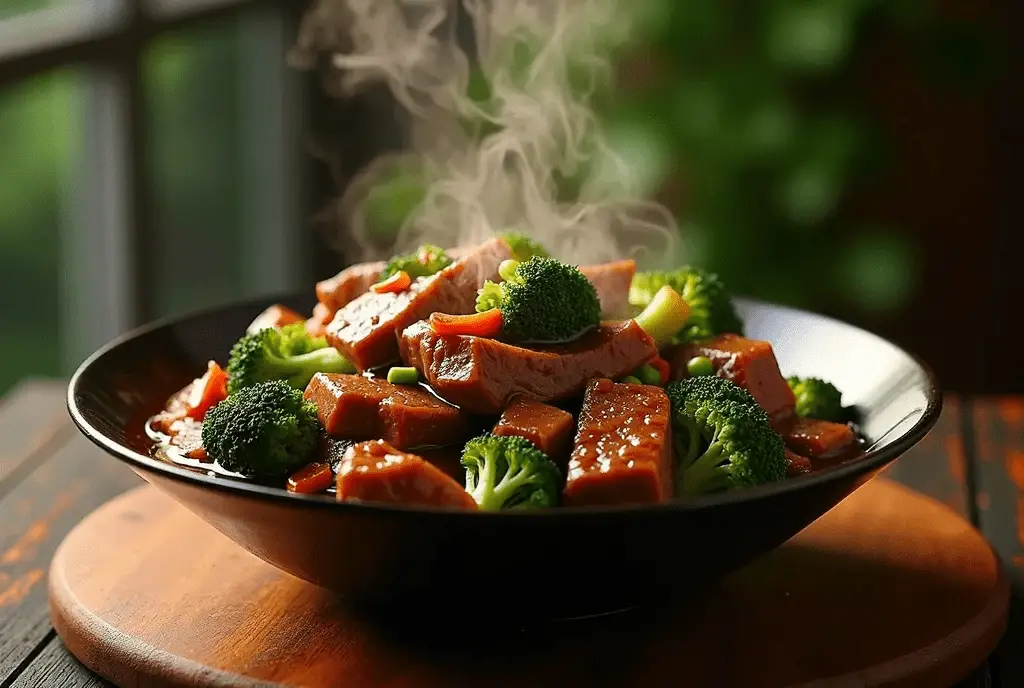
[
  {"x": 816, "y": 439},
  {"x": 316, "y": 325},
  {"x": 274, "y": 316},
  {"x": 365, "y": 330},
  {"x": 482, "y": 375},
  {"x": 796, "y": 464},
  {"x": 549, "y": 428},
  {"x": 750, "y": 363},
  {"x": 375, "y": 471},
  {"x": 337, "y": 291},
  {"x": 611, "y": 281},
  {"x": 623, "y": 451},
  {"x": 358, "y": 408}
]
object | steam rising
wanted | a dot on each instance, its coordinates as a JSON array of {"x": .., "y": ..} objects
[{"x": 499, "y": 161}]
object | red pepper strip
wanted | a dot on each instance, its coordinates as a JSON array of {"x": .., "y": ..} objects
[
  {"x": 486, "y": 324},
  {"x": 397, "y": 283},
  {"x": 316, "y": 477},
  {"x": 207, "y": 392},
  {"x": 661, "y": 365}
]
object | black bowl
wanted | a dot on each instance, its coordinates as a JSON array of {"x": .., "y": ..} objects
[{"x": 563, "y": 562}]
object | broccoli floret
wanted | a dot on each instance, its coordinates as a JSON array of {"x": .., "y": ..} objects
[
  {"x": 504, "y": 472},
  {"x": 425, "y": 261},
  {"x": 262, "y": 431},
  {"x": 288, "y": 354},
  {"x": 711, "y": 308},
  {"x": 523, "y": 247},
  {"x": 544, "y": 301},
  {"x": 816, "y": 398},
  {"x": 723, "y": 439}
]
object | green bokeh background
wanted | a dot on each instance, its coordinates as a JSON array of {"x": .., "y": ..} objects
[{"x": 745, "y": 124}]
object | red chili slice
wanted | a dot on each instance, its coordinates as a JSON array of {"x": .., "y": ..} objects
[
  {"x": 397, "y": 283},
  {"x": 486, "y": 324}
]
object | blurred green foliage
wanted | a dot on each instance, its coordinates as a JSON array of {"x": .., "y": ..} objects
[
  {"x": 743, "y": 118},
  {"x": 196, "y": 195},
  {"x": 740, "y": 116}
]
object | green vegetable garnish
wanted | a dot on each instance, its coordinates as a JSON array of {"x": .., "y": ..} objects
[
  {"x": 700, "y": 365},
  {"x": 265, "y": 431},
  {"x": 723, "y": 439},
  {"x": 401, "y": 375}
]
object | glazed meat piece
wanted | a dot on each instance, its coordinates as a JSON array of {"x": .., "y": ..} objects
[
  {"x": 611, "y": 281},
  {"x": 796, "y": 464},
  {"x": 623, "y": 450},
  {"x": 366, "y": 329},
  {"x": 274, "y": 316},
  {"x": 316, "y": 325},
  {"x": 549, "y": 428},
  {"x": 353, "y": 281},
  {"x": 375, "y": 471},
  {"x": 816, "y": 439},
  {"x": 359, "y": 408},
  {"x": 482, "y": 375},
  {"x": 750, "y": 363}
]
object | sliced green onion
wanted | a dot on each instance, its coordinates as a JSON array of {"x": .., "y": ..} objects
[
  {"x": 630, "y": 380},
  {"x": 400, "y": 375},
  {"x": 700, "y": 365},
  {"x": 507, "y": 269},
  {"x": 664, "y": 316},
  {"x": 648, "y": 375}
]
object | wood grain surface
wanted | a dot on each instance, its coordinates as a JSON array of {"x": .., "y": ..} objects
[{"x": 889, "y": 589}]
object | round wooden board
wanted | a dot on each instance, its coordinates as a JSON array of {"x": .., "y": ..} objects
[{"x": 890, "y": 588}]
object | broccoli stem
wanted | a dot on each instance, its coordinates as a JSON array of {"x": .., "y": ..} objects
[
  {"x": 686, "y": 451},
  {"x": 299, "y": 370},
  {"x": 480, "y": 494},
  {"x": 705, "y": 474},
  {"x": 510, "y": 483},
  {"x": 664, "y": 316}
]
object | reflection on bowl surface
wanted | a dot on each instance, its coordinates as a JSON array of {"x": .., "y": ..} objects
[{"x": 561, "y": 562}]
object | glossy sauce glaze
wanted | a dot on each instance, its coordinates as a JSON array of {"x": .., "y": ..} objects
[{"x": 623, "y": 449}]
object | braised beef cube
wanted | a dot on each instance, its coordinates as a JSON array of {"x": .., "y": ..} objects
[
  {"x": 273, "y": 317},
  {"x": 549, "y": 428},
  {"x": 351, "y": 282},
  {"x": 816, "y": 439},
  {"x": 623, "y": 449},
  {"x": 316, "y": 324},
  {"x": 796, "y": 464},
  {"x": 611, "y": 281},
  {"x": 750, "y": 363},
  {"x": 483, "y": 375},
  {"x": 375, "y": 471},
  {"x": 365, "y": 330},
  {"x": 408, "y": 416}
]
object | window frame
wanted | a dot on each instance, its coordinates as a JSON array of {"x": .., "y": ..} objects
[{"x": 107, "y": 235}]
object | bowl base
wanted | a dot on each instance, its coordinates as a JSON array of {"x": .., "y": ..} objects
[{"x": 889, "y": 588}]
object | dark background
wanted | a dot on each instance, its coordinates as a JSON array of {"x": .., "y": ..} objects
[{"x": 854, "y": 157}]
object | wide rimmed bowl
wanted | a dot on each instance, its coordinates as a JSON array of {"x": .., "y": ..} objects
[{"x": 562, "y": 562}]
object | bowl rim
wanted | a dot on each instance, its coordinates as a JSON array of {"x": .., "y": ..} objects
[{"x": 871, "y": 460}]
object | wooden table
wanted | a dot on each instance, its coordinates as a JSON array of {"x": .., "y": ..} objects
[{"x": 50, "y": 477}]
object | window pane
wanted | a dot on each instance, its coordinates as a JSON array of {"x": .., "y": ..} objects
[
  {"x": 223, "y": 160},
  {"x": 192, "y": 122},
  {"x": 36, "y": 125}
]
